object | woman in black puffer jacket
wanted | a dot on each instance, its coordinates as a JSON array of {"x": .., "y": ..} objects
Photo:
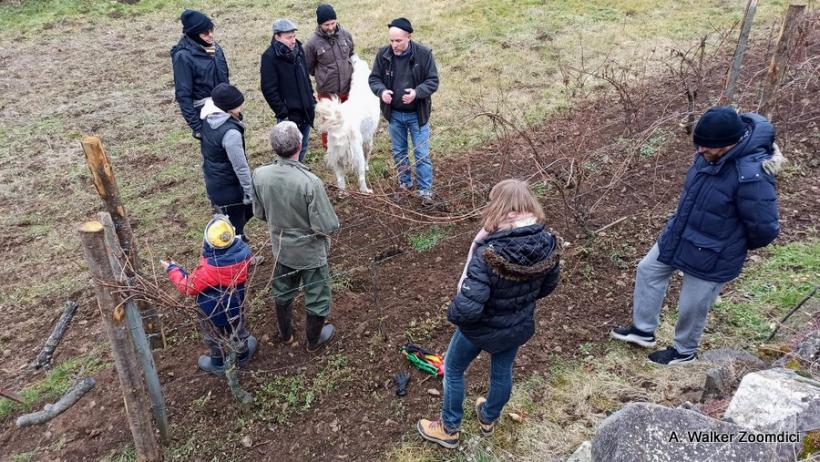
[{"x": 513, "y": 262}]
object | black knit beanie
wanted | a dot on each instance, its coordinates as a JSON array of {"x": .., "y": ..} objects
[
  {"x": 718, "y": 127},
  {"x": 325, "y": 13},
  {"x": 195, "y": 23},
  {"x": 403, "y": 24},
  {"x": 227, "y": 97}
]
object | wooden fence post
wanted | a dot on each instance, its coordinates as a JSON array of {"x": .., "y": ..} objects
[
  {"x": 106, "y": 185},
  {"x": 780, "y": 59},
  {"x": 731, "y": 76},
  {"x": 112, "y": 311},
  {"x": 132, "y": 317}
]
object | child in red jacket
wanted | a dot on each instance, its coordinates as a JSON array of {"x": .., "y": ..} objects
[{"x": 219, "y": 285}]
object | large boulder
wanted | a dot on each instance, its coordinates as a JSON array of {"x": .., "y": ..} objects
[
  {"x": 807, "y": 352},
  {"x": 643, "y": 431},
  {"x": 776, "y": 400},
  {"x": 582, "y": 454}
]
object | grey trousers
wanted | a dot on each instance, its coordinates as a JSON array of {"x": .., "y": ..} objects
[{"x": 696, "y": 297}]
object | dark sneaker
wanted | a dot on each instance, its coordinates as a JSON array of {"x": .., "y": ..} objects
[
  {"x": 426, "y": 199},
  {"x": 632, "y": 335},
  {"x": 433, "y": 430},
  {"x": 670, "y": 357},
  {"x": 486, "y": 428}
]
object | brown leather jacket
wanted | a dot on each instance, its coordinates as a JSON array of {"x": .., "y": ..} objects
[{"x": 328, "y": 60}]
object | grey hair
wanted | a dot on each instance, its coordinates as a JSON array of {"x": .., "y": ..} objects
[{"x": 285, "y": 138}]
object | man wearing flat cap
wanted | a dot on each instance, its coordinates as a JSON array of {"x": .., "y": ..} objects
[
  {"x": 285, "y": 82},
  {"x": 199, "y": 66},
  {"x": 405, "y": 77},
  {"x": 728, "y": 207},
  {"x": 327, "y": 54}
]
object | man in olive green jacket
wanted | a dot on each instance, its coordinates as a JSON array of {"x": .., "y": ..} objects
[{"x": 300, "y": 219}]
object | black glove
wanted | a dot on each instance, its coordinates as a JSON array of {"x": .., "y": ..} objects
[{"x": 401, "y": 379}]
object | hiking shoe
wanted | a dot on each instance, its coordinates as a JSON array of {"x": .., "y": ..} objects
[
  {"x": 433, "y": 430},
  {"x": 670, "y": 357},
  {"x": 486, "y": 428},
  {"x": 632, "y": 335}
]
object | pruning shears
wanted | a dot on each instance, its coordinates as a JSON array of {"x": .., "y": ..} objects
[{"x": 424, "y": 360}]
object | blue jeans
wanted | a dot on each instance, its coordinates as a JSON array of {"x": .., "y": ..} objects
[
  {"x": 400, "y": 124},
  {"x": 459, "y": 356},
  {"x": 696, "y": 297},
  {"x": 305, "y": 129}
]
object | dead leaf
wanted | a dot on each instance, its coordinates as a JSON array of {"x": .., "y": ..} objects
[
  {"x": 433, "y": 392},
  {"x": 515, "y": 417}
]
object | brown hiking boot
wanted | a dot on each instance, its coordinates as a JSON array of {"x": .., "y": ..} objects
[
  {"x": 433, "y": 430},
  {"x": 486, "y": 429}
]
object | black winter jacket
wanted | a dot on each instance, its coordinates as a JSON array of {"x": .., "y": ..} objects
[
  {"x": 285, "y": 83},
  {"x": 196, "y": 73},
  {"x": 425, "y": 79},
  {"x": 508, "y": 272}
]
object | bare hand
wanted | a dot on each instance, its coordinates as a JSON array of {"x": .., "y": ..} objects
[
  {"x": 165, "y": 264},
  {"x": 387, "y": 96},
  {"x": 409, "y": 96}
]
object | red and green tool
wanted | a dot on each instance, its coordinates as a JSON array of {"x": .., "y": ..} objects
[{"x": 424, "y": 360}]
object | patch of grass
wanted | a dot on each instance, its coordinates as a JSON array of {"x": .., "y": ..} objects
[
  {"x": 653, "y": 144},
  {"x": 22, "y": 457},
  {"x": 285, "y": 396},
  {"x": 54, "y": 385},
  {"x": 766, "y": 291},
  {"x": 428, "y": 239}
]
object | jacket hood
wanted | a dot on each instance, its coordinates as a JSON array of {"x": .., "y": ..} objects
[
  {"x": 235, "y": 253},
  {"x": 186, "y": 43},
  {"x": 521, "y": 254},
  {"x": 213, "y": 115}
]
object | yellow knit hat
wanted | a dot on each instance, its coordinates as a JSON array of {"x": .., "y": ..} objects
[{"x": 219, "y": 232}]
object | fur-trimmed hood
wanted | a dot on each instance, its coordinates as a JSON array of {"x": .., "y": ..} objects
[{"x": 521, "y": 254}]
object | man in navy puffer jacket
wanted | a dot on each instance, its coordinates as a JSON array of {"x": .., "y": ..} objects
[{"x": 728, "y": 206}]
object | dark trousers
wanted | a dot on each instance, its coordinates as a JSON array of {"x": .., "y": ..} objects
[
  {"x": 218, "y": 338},
  {"x": 315, "y": 283}
]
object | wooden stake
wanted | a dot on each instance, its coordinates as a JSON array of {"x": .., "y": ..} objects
[
  {"x": 112, "y": 311},
  {"x": 132, "y": 317},
  {"x": 103, "y": 177},
  {"x": 742, "y": 41},
  {"x": 780, "y": 59}
]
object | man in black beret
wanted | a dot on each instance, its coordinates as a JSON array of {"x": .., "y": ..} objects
[
  {"x": 199, "y": 66},
  {"x": 405, "y": 77}
]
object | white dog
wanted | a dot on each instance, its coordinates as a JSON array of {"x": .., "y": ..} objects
[{"x": 350, "y": 127}]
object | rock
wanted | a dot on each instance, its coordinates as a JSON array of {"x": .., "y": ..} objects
[
  {"x": 433, "y": 392},
  {"x": 643, "y": 431},
  {"x": 776, "y": 400},
  {"x": 722, "y": 356},
  {"x": 247, "y": 441},
  {"x": 807, "y": 351},
  {"x": 582, "y": 454},
  {"x": 734, "y": 364}
]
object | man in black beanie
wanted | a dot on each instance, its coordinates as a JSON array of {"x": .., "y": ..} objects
[
  {"x": 199, "y": 66},
  {"x": 405, "y": 77},
  {"x": 224, "y": 164},
  {"x": 728, "y": 207},
  {"x": 327, "y": 54}
]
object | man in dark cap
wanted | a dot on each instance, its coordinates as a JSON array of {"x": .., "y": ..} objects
[
  {"x": 405, "y": 76},
  {"x": 285, "y": 82},
  {"x": 728, "y": 207},
  {"x": 199, "y": 66},
  {"x": 224, "y": 164},
  {"x": 327, "y": 54}
]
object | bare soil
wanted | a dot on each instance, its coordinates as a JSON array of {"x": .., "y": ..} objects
[{"x": 358, "y": 417}]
